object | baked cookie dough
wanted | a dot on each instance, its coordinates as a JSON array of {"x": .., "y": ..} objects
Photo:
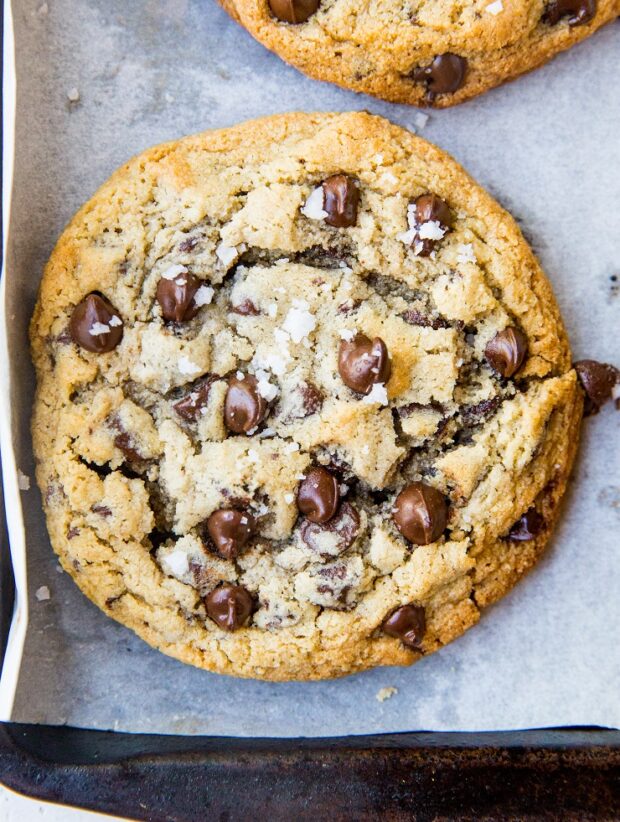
[
  {"x": 419, "y": 52},
  {"x": 305, "y": 401}
]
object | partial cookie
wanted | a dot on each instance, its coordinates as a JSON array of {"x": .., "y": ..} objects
[
  {"x": 422, "y": 53},
  {"x": 305, "y": 402}
]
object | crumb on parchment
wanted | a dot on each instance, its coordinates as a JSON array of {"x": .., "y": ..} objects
[
  {"x": 43, "y": 593},
  {"x": 386, "y": 693},
  {"x": 23, "y": 481}
]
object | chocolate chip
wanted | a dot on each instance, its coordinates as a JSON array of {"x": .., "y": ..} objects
[
  {"x": 244, "y": 408},
  {"x": 102, "y": 510},
  {"x": 246, "y": 309},
  {"x": 230, "y": 530},
  {"x": 293, "y": 11},
  {"x": 188, "y": 245},
  {"x": 73, "y": 532},
  {"x": 190, "y": 406},
  {"x": 414, "y": 317},
  {"x": 312, "y": 398},
  {"x": 362, "y": 362},
  {"x": 475, "y": 414},
  {"x": 318, "y": 495},
  {"x": 444, "y": 75},
  {"x": 420, "y": 513},
  {"x": 429, "y": 208},
  {"x": 506, "y": 351},
  {"x": 229, "y": 606},
  {"x": 407, "y": 623},
  {"x": 96, "y": 325},
  {"x": 598, "y": 380},
  {"x": 340, "y": 200},
  {"x": 341, "y": 528},
  {"x": 528, "y": 527},
  {"x": 176, "y": 297},
  {"x": 579, "y": 12}
]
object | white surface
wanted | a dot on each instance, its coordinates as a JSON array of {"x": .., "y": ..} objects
[
  {"x": 16, "y": 808},
  {"x": 10, "y": 473},
  {"x": 547, "y": 147}
]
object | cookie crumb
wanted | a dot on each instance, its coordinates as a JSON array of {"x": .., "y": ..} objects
[
  {"x": 43, "y": 10},
  {"x": 421, "y": 119},
  {"x": 43, "y": 593},
  {"x": 73, "y": 95},
  {"x": 23, "y": 481},
  {"x": 386, "y": 693}
]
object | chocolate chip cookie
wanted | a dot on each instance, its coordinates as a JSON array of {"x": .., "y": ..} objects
[
  {"x": 305, "y": 401},
  {"x": 423, "y": 53}
]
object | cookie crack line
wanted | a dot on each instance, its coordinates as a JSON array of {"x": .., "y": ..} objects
[{"x": 267, "y": 455}]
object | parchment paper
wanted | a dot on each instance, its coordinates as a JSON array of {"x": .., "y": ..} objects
[{"x": 547, "y": 146}]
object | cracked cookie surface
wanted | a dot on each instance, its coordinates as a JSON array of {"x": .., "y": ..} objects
[
  {"x": 419, "y": 52},
  {"x": 305, "y": 403}
]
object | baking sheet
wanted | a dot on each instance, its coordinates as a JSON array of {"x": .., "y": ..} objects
[{"x": 99, "y": 80}]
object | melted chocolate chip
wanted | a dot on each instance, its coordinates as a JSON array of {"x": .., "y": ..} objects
[
  {"x": 579, "y": 12},
  {"x": 420, "y": 513},
  {"x": 318, "y": 495},
  {"x": 528, "y": 527},
  {"x": 190, "y": 406},
  {"x": 312, "y": 398},
  {"x": 344, "y": 526},
  {"x": 229, "y": 606},
  {"x": 293, "y": 11},
  {"x": 188, "y": 245},
  {"x": 598, "y": 380},
  {"x": 475, "y": 414},
  {"x": 246, "y": 309},
  {"x": 444, "y": 75},
  {"x": 429, "y": 208},
  {"x": 244, "y": 408},
  {"x": 125, "y": 441},
  {"x": 414, "y": 317},
  {"x": 340, "y": 200},
  {"x": 176, "y": 297},
  {"x": 506, "y": 352},
  {"x": 96, "y": 325},
  {"x": 102, "y": 510},
  {"x": 408, "y": 624},
  {"x": 230, "y": 530},
  {"x": 362, "y": 362}
]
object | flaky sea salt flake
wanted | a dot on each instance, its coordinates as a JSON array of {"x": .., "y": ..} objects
[
  {"x": 431, "y": 230},
  {"x": 378, "y": 394},
  {"x": 313, "y": 207},
  {"x": 226, "y": 254},
  {"x": 173, "y": 271},
  {"x": 495, "y": 8},
  {"x": 299, "y": 322},
  {"x": 186, "y": 366},
  {"x": 204, "y": 295},
  {"x": 176, "y": 563},
  {"x": 466, "y": 253},
  {"x": 98, "y": 328}
]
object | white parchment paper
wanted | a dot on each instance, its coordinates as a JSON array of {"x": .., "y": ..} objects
[{"x": 547, "y": 146}]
